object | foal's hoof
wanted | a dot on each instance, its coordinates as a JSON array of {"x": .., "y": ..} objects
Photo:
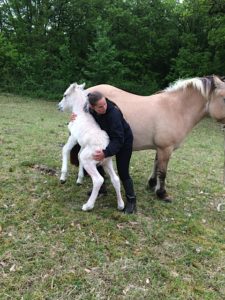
[
  {"x": 87, "y": 207},
  {"x": 79, "y": 182},
  {"x": 62, "y": 181},
  {"x": 121, "y": 206}
]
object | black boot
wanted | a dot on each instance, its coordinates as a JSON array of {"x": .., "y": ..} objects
[{"x": 130, "y": 206}]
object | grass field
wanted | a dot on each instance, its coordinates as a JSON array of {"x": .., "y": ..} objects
[{"x": 50, "y": 249}]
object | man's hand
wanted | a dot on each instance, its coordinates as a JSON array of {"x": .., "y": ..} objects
[
  {"x": 73, "y": 117},
  {"x": 99, "y": 155}
]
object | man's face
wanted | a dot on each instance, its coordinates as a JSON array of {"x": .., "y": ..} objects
[{"x": 100, "y": 107}]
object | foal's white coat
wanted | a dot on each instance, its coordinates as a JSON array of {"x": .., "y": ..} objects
[{"x": 85, "y": 131}]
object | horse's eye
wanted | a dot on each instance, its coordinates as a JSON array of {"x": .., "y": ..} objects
[{"x": 223, "y": 99}]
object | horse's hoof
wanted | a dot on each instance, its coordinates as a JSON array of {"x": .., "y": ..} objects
[
  {"x": 62, "y": 181},
  {"x": 78, "y": 183},
  {"x": 166, "y": 199},
  {"x": 86, "y": 207},
  {"x": 163, "y": 196}
]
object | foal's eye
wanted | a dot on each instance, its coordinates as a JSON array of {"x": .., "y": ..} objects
[{"x": 224, "y": 100}]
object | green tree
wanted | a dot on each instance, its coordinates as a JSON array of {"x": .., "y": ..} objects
[
  {"x": 102, "y": 65},
  {"x": 194, "y": 56},
  {"x": 8, "y": 63}
]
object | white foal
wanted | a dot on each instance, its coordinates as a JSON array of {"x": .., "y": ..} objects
[{"x": 85, "y": 131}]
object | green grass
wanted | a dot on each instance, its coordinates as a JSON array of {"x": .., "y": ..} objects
[{"x": 50, "y": 249}]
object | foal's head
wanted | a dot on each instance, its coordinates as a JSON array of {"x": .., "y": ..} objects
[{"x": 73, "y": 95}]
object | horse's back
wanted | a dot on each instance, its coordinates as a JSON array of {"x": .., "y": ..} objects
[
  {"x": 115, "y": 94},
  {"x": 139, "y": 112},
  {"x": 155, "y": 120}
]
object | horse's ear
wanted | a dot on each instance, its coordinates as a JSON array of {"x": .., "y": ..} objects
[
  {"x": 218, "y": 82},
  {"x": 83, "y": 85}
]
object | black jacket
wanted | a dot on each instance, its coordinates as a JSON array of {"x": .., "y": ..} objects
[{"x": 117, "y": 128}]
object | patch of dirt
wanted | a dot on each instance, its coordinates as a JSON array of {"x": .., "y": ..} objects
[{"x": 44, "y": 169}]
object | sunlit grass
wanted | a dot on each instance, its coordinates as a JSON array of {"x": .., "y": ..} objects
[{"x": 50, "y": 249}]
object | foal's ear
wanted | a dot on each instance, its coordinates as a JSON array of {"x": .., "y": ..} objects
[
  {"x": 73, "y": 84},
  {"x": 83, "y": 85}
]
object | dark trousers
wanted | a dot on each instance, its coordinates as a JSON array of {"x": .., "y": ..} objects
[{"x": 123, "y": 163}]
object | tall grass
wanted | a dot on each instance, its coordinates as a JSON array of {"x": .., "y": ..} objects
[{"x": 50, "y": 249}]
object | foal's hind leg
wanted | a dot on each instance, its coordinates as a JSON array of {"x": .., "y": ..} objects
[
  {"x": 163, "y": 157},
  {"x": 152, "y": 181},
  {"x": 97, "y": 180},
  {"x": 108, "y": 167}
]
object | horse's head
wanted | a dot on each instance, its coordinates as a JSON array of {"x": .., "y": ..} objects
[
  {"x": 71, "y": 97},
  {"x": 217, "y": 101}
]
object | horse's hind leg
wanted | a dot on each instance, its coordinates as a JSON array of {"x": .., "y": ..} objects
[
  {"x": 163, "y": 157},
  {"x": 108, "y": 167},
  {"x": 152, "y": 181}
]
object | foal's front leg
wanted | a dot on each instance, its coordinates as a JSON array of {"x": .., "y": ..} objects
[
  {"x": 81, "y": 170},
  {"x": 65, "y": 154}
]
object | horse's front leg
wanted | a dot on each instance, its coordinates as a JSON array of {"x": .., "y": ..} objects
[
  {"x": 65, "y": 154},
  {"x": 152, "y": 180},
  {"x": 163, "y": 156}
]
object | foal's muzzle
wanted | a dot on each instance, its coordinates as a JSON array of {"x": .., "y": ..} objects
[{"x": 60, "y": 107}]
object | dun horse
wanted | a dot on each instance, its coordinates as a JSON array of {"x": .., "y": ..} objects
[{"x": 163, "y": 120}]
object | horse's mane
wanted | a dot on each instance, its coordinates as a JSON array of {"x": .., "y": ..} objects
[{"x": 205, "y": 85}]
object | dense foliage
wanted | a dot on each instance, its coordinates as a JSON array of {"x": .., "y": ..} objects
[{"x": 137, "y": 45}]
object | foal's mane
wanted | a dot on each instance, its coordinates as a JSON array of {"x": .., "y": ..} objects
[{"x": 205, "y": 85}]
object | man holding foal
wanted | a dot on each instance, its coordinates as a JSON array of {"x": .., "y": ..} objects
[{"x": 110, "y": 118}]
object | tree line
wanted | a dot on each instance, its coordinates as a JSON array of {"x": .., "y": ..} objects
[{"x": 136, "y": 45}]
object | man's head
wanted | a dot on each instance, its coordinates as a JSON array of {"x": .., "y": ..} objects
[{"x": 97, "y": 102}]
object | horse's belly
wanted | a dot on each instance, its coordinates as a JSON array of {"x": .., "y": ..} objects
[{"x": 141, "y": 143}]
